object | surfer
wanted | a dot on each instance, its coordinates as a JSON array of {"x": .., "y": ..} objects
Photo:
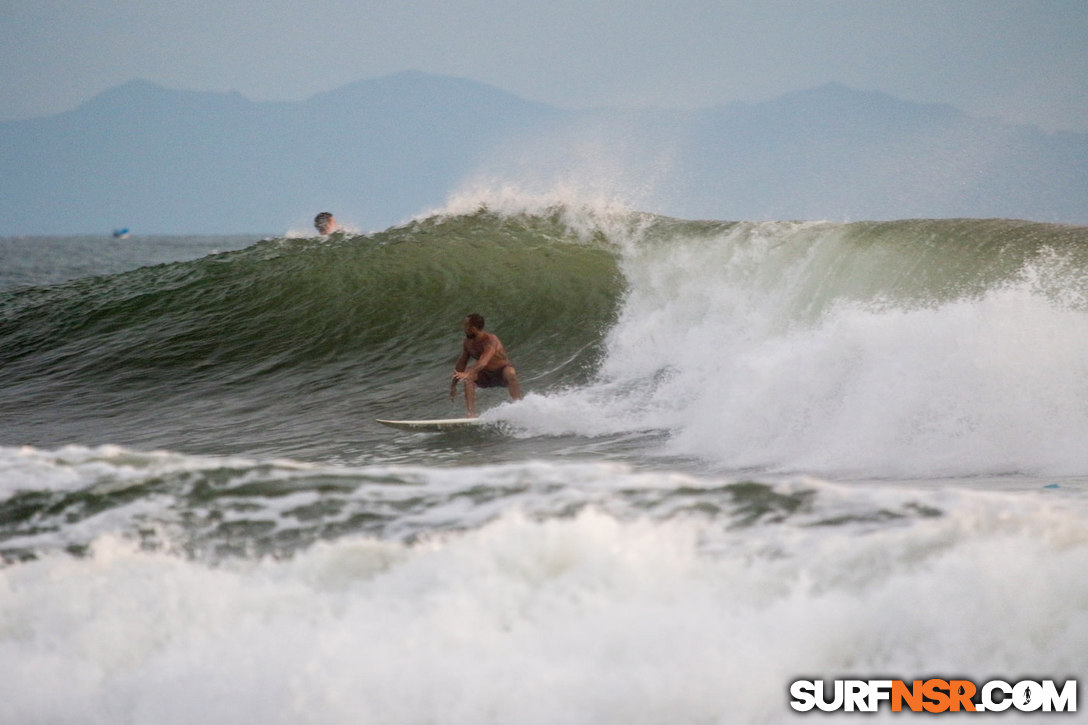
[
  {"x": 325, "y": 224},
  {"x": 492, "y": 366}
]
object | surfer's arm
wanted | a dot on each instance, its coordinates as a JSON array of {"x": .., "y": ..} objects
[
  {"x": 459, "y": 370},
  {"x": 469, "y": 373},
  {"x": 461, "y": 362}
]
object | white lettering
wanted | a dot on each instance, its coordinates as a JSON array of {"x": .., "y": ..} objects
[
  {"x": 879, "y": 690},
  {"x": 804, "y": 695},
  {"x": 1027, "y": 696},
  {"x": 988, "y": 697},
  {"x": 821, "y": 698},
  {"x": 856, "y": 695},
  {"x": 1065, "y": 701}
]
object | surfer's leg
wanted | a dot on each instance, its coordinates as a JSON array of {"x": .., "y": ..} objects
[
  {"x": 470, "y": 398},
  {"x": 510, "y": 377}
]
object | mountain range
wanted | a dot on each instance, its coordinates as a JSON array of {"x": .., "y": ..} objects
[{"x": 376, "y": 152}]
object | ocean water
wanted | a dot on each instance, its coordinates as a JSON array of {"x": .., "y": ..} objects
[{"x": 749, "y": 453}]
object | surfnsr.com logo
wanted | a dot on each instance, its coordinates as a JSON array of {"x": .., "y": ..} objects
[{"x": 933, "y": 696}]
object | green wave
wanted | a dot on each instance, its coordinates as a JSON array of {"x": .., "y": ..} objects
[
  {"x": 249, "y": 343},
  {"x": 361, "y": 315}
]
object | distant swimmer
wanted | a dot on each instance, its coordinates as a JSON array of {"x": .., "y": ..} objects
[
  {"x": 325, "y": 224},
  {"x": 492, "y": 368}
]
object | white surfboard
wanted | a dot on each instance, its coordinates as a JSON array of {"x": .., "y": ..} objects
[{"x": 431, "y": 425}]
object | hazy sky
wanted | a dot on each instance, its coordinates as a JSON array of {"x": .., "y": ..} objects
[{"x": 1024, "y": 61}]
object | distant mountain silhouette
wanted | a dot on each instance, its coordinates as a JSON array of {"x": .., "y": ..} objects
[{"x": 379, "y": 151}]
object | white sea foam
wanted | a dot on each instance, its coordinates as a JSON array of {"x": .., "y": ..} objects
[
  {"x": 741, "y": 349},
  {"x": 102, "y": 469},
  {"x": 308, "y": 232},
  {"x": 587, "y": 619},
  {"x": 585, "y": 210}
]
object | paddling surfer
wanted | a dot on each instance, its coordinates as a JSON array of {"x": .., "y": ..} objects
[
  {"x": 325, "y": 224},
  {"x": 492, "y": 368}
]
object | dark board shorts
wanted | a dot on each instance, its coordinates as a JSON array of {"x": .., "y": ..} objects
[{"x": 491, "y": 378}]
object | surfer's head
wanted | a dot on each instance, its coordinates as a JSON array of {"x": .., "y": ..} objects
[
  {"x": 324, "y": 223},
  {"x": 472, "y": 324}
]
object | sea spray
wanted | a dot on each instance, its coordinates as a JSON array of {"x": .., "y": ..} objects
[{"x": 903, "y": 349}]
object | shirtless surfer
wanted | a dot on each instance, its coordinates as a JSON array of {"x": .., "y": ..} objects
[
  {"x": 492, "y": 366},
  {"x": 325, "y": 224}
]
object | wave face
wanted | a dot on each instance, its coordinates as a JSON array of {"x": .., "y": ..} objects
[
  {"x": 329, "y": 332},
  {"x": 898, "y": 349}
]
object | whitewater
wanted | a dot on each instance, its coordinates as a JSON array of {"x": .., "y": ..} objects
[{"x": 749, "y": 453}]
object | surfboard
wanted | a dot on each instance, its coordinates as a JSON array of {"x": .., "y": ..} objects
[{"x": 431, "y": 425}]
